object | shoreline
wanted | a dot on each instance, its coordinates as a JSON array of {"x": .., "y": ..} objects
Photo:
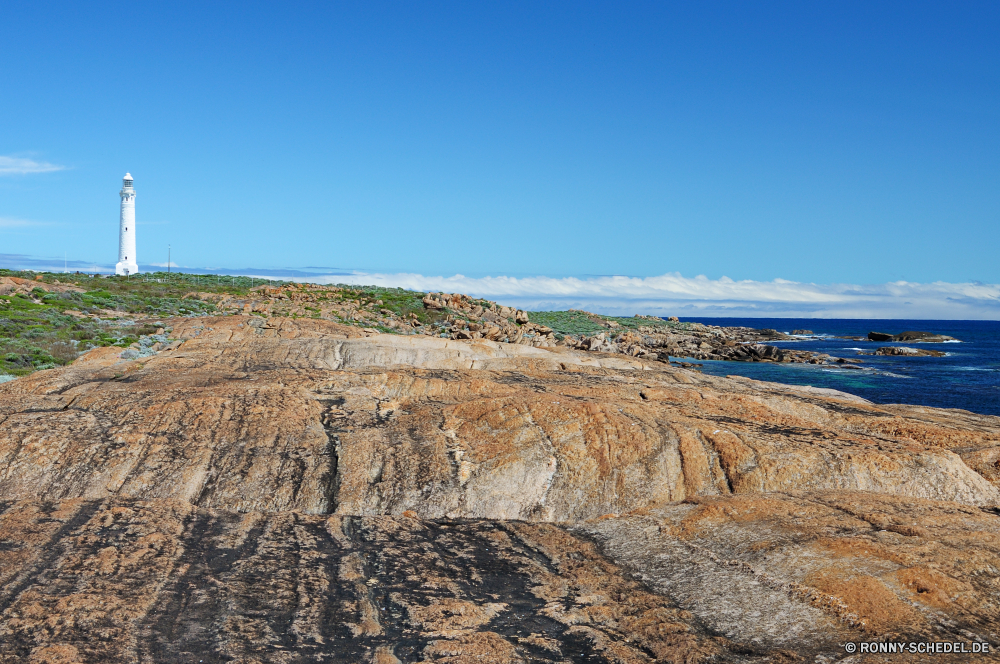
[{"x": 397, "y": 311}]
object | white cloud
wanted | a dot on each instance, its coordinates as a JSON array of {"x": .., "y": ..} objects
[
  {"x": 675, "y": 295},
  {"x": 171, "y": 264},
  {"x": 8, "y": 222},
  {"x": 24, "y": 166}
]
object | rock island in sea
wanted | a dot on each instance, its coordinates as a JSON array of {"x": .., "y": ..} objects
[{"x": 292, "y": 473}]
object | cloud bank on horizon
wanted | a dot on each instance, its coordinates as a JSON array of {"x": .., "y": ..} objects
[
  {"x": 675, "y": 295},
  {"x": 664, "y": 295}
]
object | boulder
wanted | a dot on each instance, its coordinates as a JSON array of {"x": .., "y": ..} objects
[
  {"x": 770, "y": 334},
  {"x": 928, "y": 337},
  {"x": 432, "y": 302},
  {"x": 493, "y": 333},
  {"x": 772, "y": 353},
  {"x": 801, "y": 332},
  {"x": 905, "y": 350},
  {"x": 911, "y": 335}
]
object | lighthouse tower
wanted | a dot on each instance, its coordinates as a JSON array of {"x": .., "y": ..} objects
[{"x": 126, "y": 233}]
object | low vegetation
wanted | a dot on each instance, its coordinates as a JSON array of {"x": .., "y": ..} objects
[
  {"x": 399, "y": 301},
  {"x": 41, "y": 329},
  {"x": 53, "y": 318},
  {"x": 583, "y": 323}
]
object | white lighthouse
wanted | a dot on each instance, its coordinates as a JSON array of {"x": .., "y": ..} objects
[{"x": 126, "y": 233}]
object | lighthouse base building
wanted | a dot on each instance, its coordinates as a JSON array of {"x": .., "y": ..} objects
[{"x": 127, "y": 263}]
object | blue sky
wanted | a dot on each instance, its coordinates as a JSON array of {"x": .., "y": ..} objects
[{"x": 847, "y": 143}]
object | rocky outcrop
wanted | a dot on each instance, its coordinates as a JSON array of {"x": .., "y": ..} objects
[
  {"x": 906, "y": 351},
  {"x": 18, "y": 286},
  {"x": 277, "y": 489},
  {"x": 926, "y": 337},
  {"x": 315, "y": 417},
  {"x": 818, "y": 568},
  {"x": 734, "y": 344},
  {"x": 462, "y": 318},
  {"x": 161, "y": 581}
]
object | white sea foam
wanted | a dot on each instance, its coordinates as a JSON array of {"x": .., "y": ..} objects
[{"x": 891, "y": 375}]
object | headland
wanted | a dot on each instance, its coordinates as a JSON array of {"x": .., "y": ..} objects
[{"x": 286, "y": 473}]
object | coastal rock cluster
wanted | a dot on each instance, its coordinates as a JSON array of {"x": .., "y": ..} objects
[
  {"x": 454, "y": 316},
  {"x": 657, "y": 340},
  {"x": 460, "y": 317},
  {"x": 906, "y": 351},
  {"x": 925, "y": 337},
  {"x": 279, "y": 489},
  {"x": 701, "y": 342},
  {"x": 482, "y": 319},
  {"x": 19, "y": 286}
]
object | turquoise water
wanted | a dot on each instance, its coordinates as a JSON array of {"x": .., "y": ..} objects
[{"x": 968, "y": 377}]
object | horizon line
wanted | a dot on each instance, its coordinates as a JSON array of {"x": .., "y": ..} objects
[{"x": 669, "y": 294}]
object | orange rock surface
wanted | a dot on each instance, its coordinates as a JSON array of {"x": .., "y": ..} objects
[{"x": 284, "y": 490}]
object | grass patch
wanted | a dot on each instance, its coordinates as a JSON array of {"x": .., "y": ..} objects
[
  {"x": 580, "y": 323},
  {"x": 399, "y": 301},
  {"x": 36, "y": 334},
  {"x": 575, "y": 323}
]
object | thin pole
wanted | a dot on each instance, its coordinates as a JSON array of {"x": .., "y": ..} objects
[{"x": 168, "y": 259}]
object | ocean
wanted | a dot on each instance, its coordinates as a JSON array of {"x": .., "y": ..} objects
[{"x": 968, "y": 377}]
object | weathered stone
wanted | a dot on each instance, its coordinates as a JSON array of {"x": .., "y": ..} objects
[
  {"x": 906, "y": 351},
  {"x": 433, "y": 303},
  {"x": 928, "y": 337},
  {"x": 276, "y": 490}
]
